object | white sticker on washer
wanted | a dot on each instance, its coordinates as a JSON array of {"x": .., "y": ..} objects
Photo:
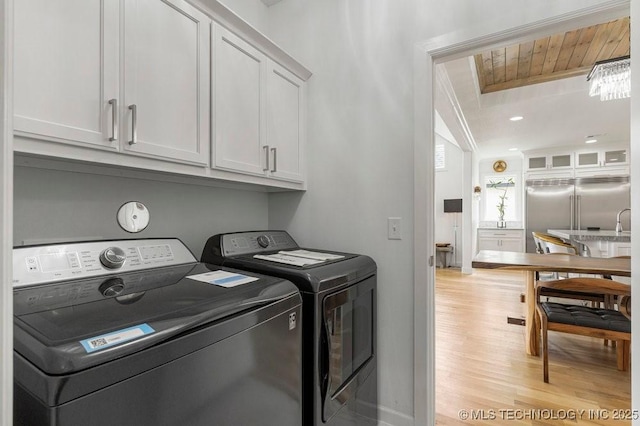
[
  {"x": 292, "y": 320},
  {"x": 223, "y": 278},
  {"x": 105, "y": 341}
]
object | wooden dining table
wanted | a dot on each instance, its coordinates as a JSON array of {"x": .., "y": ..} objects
[{"x": 531, "y": 263}]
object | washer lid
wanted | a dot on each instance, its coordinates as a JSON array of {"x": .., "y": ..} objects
[
  {"x": 313, "y": 278},
  {"x": 72, "y": 325}
]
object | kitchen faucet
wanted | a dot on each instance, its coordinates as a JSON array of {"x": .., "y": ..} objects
[{"x": 618, "y": 224}]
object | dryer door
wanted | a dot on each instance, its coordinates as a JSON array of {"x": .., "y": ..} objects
[{"x": 348, "y": 344}]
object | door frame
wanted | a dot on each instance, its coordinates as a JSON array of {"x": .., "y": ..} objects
[
  {"x": 427, "y": 54},
  {"x": 6, "y": 212}
]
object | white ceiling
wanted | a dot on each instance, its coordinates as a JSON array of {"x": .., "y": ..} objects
[{"x": 556, "y": 114}]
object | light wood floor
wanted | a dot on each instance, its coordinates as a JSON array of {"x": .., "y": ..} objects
[{"x": 481, "y": 363}]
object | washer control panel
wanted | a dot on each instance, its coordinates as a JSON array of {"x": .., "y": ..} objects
[
  {"x": 57, "y": 262},
  {"x": 254, "y": 242}
]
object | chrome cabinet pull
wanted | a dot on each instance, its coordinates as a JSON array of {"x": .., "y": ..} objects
[
  {"x": 114, "y": 120},
  {"x": 134, "y": 124},
  {"x": 275, "y": 160},
  {"x": 266, "y": 157}
]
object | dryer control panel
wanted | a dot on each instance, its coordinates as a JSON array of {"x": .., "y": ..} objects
[
  {"x": 57, "y": 262},
  {"x": 255, "y": 242}
]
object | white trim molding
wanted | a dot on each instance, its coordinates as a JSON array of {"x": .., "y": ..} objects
[
  {"x": 448, "y": 106},
  {"x": 635, "y": 208},
  {"x": 423, "y": 241},
  {"x": 388, "y": 417},
  {"x": 6, "y": 213}
]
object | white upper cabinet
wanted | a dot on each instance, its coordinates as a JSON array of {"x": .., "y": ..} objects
[
  {"x": 184, "y": 87},
  {"x": 238, "y": 104},
  {"x": 549, "y": 162},
  {"x": 67, "y": 66},
  {"x": 258, "y": 113},
  {"x": 616, "y": 156},
  {"x": 66, "y": 71},
  {"x": 285, "y": 123},
  {"x": 590, "y": 162},
  {"x": 165, "y": 108}
]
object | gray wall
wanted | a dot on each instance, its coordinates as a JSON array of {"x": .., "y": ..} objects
[
  {"x": 360, "y": 153},
  {"x": 60, "y": 205}
]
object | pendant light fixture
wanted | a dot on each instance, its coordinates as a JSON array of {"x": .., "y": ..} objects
[{"x": 611, "y": 79}]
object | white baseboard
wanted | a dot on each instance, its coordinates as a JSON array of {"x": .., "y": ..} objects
[{"x": 389, "y": 417}]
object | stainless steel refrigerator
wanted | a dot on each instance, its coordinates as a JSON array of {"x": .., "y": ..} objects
[{"x": 576, "y": 204}]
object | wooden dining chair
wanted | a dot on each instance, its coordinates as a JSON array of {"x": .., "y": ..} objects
[
  {"x": 550, "y": 244},
  {"x": 585, "y": 320},
  {"x": 611, "y": 300},
  {"x": 596, "y": 299}
]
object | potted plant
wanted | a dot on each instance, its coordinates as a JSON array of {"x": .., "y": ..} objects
[{"x": 501, "y": 185}]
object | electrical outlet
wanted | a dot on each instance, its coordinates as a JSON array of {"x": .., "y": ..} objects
[{"x": 394, "y": 225}]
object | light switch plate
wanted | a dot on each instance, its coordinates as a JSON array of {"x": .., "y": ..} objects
[{"x": 394, "y": 225}]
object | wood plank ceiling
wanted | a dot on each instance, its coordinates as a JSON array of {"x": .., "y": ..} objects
[{"x": 550, "y": 58}]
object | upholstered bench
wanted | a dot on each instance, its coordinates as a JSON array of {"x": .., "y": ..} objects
[
  {"x": 586, "y": 316},
  {"x": 584, "y": 320}
]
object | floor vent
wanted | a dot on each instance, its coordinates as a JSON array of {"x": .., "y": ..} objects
[{"x": 516, "y": 321}]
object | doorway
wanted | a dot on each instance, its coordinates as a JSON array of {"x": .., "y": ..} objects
[{"x": 426, "y": 56}]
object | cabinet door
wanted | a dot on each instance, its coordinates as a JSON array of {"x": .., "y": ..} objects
[
  {"x": 285, "y": 123},
  {"x": 560, "y": 161},
  {"x": 619, "y": 249},
  {"x": 166, "y": 80},
  {"x": 511, "y": 245},
  {"x": 537, "y": 163},
  {"x": 614, "y": 157},
  {"x": 489, "y": 244},
  {"x": 66, "y": 70},
  {"x": 588, "y": 159},
  {"x": 239, "y": 102}
]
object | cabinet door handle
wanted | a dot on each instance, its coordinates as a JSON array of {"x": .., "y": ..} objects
[
  {"x": 266, "y": 157},
  {"x": 275, "y": 160},
  {"x": 134, "y": 124},
  {"x": 114, "y": 119}
]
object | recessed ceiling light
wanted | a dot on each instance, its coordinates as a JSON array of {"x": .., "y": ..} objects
[
  {"x": 591, "y": 141},
  {"x": 513, "y": 149},
  {"x": 516, "y": 118}
]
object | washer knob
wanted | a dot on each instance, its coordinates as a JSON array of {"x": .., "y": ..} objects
[
  {"x": 263, "y": 241},
  {"x": 111, "y": 287},
  {"x": 112, "y": 257}
]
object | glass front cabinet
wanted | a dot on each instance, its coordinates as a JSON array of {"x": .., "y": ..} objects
[
  {"x": 602, "y": 158},
  {"x": 546, "y": 162}
]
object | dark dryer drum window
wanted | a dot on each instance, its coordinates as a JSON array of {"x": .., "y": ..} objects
[
  {"x": 349, "y": 324},
  {"x": 348, "y": 344}
]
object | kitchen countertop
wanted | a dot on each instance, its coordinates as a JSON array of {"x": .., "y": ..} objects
[
  {"x": 500, "y": 229},
  {"x": 583, "y": 235}
]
